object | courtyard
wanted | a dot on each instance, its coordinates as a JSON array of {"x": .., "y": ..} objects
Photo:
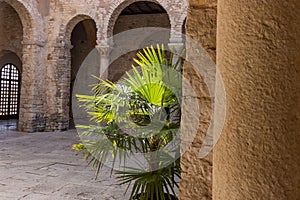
[
  {"x": 247, "y": 92},
  {"x": 44, "y": 166}
]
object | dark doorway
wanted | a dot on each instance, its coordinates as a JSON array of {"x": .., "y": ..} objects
[{"x": 83, "y": 40}]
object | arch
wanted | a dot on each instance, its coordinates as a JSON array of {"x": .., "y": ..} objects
[
  {"x": 25, "y": 16},
  {"x": 120, "y": 5},
  {"x": 76, "y": 23},
  {"x": 83, "y": 40},
  {"x": 133, "y": 16},
  {"x": 33, "y": 39},
  {"x": 62, "y": 64},
  {"x": 90, "y": 30},
  {"x": 71, "y": 25}
]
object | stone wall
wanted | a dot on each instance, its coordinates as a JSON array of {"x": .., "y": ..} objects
[
  {"x": 45, "y": 49},
  {"x": 197, "y": 173},
  {"x": 23, "y": 34},
  {"x": 63, "y": 17}
]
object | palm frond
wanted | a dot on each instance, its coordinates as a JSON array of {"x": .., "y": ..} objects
[{"x": 148, "y": 100}]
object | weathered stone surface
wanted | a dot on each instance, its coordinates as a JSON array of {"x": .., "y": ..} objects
[
  {"x": 50, "y": 169},
  {"x": 40, "y": 36},
  {"x": 197, "y": 173},
  {"x": 257, "y": 156}
]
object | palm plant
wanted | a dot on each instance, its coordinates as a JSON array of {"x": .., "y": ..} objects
[{"x": 137, "y": 123}]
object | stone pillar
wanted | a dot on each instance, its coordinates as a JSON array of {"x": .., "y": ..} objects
[
  {"x": 63, "y": 77},
  {"x": 104, "y": 51},
  {"x": 196, "y": 182},
  {"x": 32, "y": 112},
  {"x": 176, "y": 46},
  {"x": 59, "y": 79},
  {"x": 258, "y": 154}
]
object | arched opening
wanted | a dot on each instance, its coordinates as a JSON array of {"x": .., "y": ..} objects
[
  {"x": 83, "y": 41},
  {"x": 139, "y": 14},
  {"x": 10, "y": 79},
  {"x": 11, "y": 50}
]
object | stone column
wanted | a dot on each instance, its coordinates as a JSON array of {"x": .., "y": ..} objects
[
  {"x": 176, "y": 46},
  {"x": 64, "y": 68},
  {"x": 59, "y": 79},
  {"x": 197, "y": 106},
  {"x": 258, "y": 154},
  {"x": 104, "y": 51},
  {"x": 32, "y": 112}
]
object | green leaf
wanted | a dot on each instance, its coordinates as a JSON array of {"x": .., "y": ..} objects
[{"x": 139, "y": 100}]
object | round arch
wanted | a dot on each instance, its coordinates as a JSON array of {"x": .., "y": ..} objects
[
  {"x": 25, "y": 16},
  {"x": 69, "y": 27},
  {"x": 73, "y": 62},
  {"x": 31, "y": 41},
  {"x": 120, "y": 5}
]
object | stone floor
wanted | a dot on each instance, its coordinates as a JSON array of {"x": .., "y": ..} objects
[{"x": 44, "y": 166}]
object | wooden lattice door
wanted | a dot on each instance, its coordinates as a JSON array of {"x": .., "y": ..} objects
[{"x": 9, "y": 92}]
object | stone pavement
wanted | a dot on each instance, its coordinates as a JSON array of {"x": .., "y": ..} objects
[{"x": 43, "y": 166}]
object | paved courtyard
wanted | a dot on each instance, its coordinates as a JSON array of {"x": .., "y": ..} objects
[{"x": 44, "y": 166}]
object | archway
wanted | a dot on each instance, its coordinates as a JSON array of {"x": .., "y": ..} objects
[
  {"x": 11, "y": 50},
  {"x": 139, "y": 14},
  {"x": 83, "y": 41}
]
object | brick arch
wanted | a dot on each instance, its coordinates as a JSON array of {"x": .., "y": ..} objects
[
  {"x": 69, "y": 27},
  {"x": 31, "y": 44},
  {"x": 120, "y": 5},
  {"x": 65, "y": 66},
  {"x": 25, "y": 16}
]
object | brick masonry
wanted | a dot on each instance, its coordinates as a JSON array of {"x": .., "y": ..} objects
[{"x": 40, "y": 36}]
